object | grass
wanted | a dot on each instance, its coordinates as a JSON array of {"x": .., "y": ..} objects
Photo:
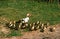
[
  {"x": 14, "y": 33},
  {"x": 42, "y": 11},
  {"x": 17, "y": 9}
]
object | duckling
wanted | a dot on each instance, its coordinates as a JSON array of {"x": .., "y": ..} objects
[
  {"x": 46, "y": 25},
  {"x": 14, "y": 24},
  {"x": 52, "y": 29},
  {"x": 42, "y": 28},
  {"x": 23, "y": 26},
  {"x": 26, "y": 25},
  {"x": 20, "y": 24},
  {"x": 38, "y": 22},
  {"x": 32, "y": 26},
  {"x": 38, "y": 25},
  {"x": 10, "y": 24}
]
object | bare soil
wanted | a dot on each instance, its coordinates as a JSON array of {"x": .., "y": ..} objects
[{"x": 39, "y": 35}]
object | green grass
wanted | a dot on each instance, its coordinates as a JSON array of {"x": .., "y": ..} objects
[
  {"x": 42, "y": 11},
  {"x": 14, "y": 33}
]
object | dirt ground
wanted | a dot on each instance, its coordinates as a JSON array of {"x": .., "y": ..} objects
[{"x": 39, "y": 35}]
